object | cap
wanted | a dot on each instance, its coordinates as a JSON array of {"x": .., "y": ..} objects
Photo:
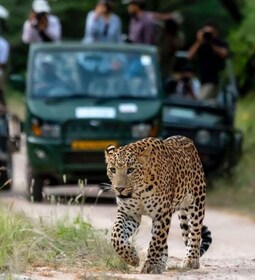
[
  {"x": 41, "y": 6},
  {"x": 4, "y": 13},
  {"x": 105, "y": 1},
  {"x": 138, "y": 2}
]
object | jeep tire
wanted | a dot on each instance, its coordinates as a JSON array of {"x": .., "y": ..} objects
[{"x": 35, "y": 186}]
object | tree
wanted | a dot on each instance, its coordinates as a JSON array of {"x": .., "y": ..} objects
[{"x": 242, "y": 40}]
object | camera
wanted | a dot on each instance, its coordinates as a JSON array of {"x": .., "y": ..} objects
[
  {"x": 40, "y": 16},
  {"x": 208, "y": 36},
  {"x": 186, "y": 79}
]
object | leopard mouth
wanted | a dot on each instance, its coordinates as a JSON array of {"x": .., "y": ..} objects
[{"x": 124, "y": 196}]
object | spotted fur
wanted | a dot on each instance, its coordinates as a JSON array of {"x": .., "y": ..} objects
[{"x": 155, "y": 178}]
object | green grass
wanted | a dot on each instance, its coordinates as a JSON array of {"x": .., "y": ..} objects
[
  {"x": 15, "y": 102},
  {"x": 237, "y": 192},
  {"x": 25, "y": 243}
]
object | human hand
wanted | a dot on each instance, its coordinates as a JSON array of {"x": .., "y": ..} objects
[
  {"x": 200, "y": 36},
  {"x": 32, "y": 18},
  {"x": 42, "y": 22}
]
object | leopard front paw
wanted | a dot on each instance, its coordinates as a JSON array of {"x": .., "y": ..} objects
[
  {"x": 190, "y": 263},
  {"x": 153, "y": 268},
  {"x": 134, "y": 260}
]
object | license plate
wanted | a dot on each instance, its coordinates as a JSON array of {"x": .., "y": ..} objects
[{"x": 92, "y": 145}]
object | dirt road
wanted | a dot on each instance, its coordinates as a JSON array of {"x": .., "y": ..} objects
[{"x": 231, "y": 256}]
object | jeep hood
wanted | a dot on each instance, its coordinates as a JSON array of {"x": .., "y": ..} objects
[{"x": 128, "y": 110}]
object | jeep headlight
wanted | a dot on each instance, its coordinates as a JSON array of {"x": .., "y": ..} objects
[
  {"x": 49, "y": 130},
  {"x": 141, "y": 130},
  {"x": 203, "y": 137}
]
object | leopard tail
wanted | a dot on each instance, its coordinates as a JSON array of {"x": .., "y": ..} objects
[{"x": 206, "y": 240}]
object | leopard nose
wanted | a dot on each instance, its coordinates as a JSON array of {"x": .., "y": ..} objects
[{"x": 119, "y": 189}]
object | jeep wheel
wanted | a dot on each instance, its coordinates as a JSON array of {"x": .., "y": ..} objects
[
  {"x": 5, "y": 181},
  {"x": 35, "y": 186},
  {"x": 6, "y": 174},
  {"x": 36, "y": 189}
]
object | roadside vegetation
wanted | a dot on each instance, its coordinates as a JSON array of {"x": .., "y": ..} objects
[
  {"x": 27, "y": 243},
  {"x": 15, "y": 102},
  {"x": 236, "y": 191}
]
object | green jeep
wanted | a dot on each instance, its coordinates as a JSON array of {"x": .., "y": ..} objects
[{"x": 80, "y": 98}]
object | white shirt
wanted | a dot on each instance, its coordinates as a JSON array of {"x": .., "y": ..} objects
[
  {"x": 31, "y": 35},
  {"x": 4, "y": 50}
]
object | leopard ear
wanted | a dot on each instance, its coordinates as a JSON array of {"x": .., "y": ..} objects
[
  {"x": 109, "y": 151},
  {"x": 143, "y": 157}
]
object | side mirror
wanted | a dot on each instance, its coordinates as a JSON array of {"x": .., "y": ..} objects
[{"x": 18, "y": 81}]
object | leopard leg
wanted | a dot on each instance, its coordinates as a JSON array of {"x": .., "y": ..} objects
[
  {"x": 158, "y": 250},
  {"x": 195, "y": 216},
  {"x": 184, "y": 224},
  {"x": 124, "y": 227}
]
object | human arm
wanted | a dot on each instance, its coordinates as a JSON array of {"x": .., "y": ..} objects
[
  {"x": 52, "y": 31},
  {"x": 221, "y": 51},
  {"x": 217, "y": 46},
  {"x": 91, "y": 26},
  {"x": 28, "y": 33},
  {"x": 195, "y": 47}
]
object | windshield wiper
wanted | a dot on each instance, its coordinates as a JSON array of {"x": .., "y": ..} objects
[
  {"x": 122, "y": 97},
  {"x": 66, "y": 97}
]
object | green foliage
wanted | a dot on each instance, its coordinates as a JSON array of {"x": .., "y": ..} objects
[
  {"x": 26, "y": 242},
  {"x": 201, "y": 11},
  {"x": 15, "y": 102},
  {"x": 243, "y": 41},
  {"x": 238, "y": 190}
]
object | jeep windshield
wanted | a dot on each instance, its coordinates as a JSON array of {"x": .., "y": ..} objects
[{"x": 93, "y": 74}]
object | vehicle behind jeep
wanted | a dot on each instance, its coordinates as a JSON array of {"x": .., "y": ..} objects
[
  {"x": 80, "y": 98},
  {"x": 209, "y": 123}
]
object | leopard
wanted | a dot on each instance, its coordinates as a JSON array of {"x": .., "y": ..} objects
[{"x": 156, "y": 178}]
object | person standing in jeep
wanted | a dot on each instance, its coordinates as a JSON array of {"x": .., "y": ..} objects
[
  {"x": 102, "y": 25},
  {"x": 212, "y": 52},
  {"x": 142, "y": 27},
  {"x": 41, "y": 26}
]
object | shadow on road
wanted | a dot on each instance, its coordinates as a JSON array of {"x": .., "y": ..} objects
[{"x": 70, "y": 196}]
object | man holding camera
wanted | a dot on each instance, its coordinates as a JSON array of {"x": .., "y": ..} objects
[
  {"x": 211, "y": 52},
  {"x": 41, "y": 26}
]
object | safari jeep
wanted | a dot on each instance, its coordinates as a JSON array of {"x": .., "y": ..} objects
[
  {"x": 79, "y": 99},
  {"x": 209, "y": 124}
]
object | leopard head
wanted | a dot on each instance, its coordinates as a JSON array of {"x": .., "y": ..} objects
[{"x": 126, "y": 167}]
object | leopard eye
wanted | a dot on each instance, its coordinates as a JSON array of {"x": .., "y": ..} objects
[
  {"x": 113, "y": 170},
  {"x": 130, "y": 170}
]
